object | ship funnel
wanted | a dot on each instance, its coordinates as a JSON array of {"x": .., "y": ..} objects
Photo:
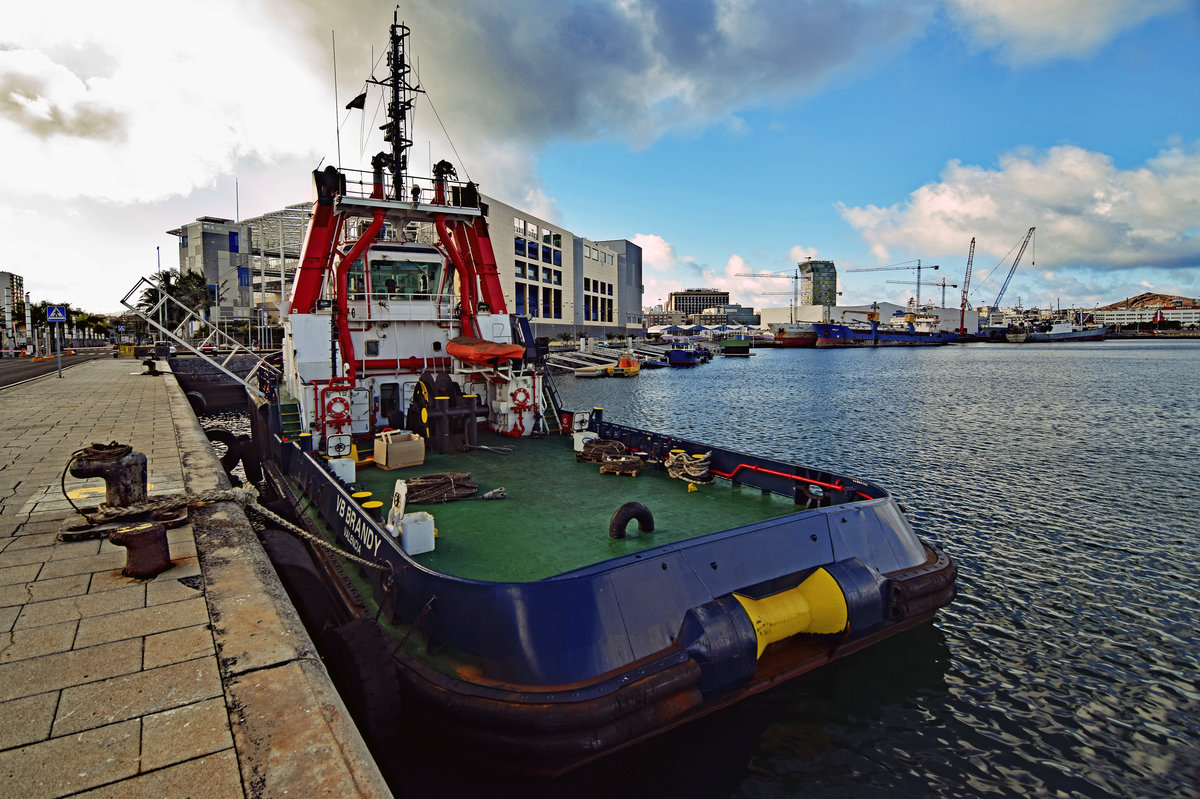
[{"x": 817, "y": 605}]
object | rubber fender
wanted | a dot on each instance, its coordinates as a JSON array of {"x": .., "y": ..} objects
[
  {"x": 626, "y": 513},
  {"x": 232, "y": 449},
  {"x": 248, "y": 454},
  {"x": 198, "y": 403}
]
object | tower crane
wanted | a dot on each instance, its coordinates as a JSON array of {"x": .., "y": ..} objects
[
  {"x": 962, "y": 316},
  {"x": 903, "y": 265},
  {"x": 795, "y": 278},
  {"x": 943, "y": 283}
]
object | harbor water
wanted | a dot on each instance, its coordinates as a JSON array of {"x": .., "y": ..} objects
[{"x": 1061, "y": 477}]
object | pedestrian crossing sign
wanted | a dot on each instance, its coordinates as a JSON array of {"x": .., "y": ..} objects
[{"x": 56, "y": 313}]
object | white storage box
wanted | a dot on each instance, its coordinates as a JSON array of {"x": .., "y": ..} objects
[
  {"x": 416, "y": 533},
  {"x": 342, "y": 468}
]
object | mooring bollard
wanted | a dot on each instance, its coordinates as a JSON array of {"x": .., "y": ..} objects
[
  {"x": 123, "y": 470},
  {"x": 147, "y": 552}
]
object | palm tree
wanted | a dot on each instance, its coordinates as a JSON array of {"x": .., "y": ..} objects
[{"x": 189, "y": 290}]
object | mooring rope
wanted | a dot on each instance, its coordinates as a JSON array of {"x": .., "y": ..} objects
[
  {"x": 245, "y": 496},
  {"x": 693, "y": 469}
]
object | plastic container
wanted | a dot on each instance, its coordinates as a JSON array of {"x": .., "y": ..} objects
[{"x": 416, "y": 532}]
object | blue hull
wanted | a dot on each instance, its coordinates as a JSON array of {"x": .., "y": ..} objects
[{"x": 830, "y": 336}]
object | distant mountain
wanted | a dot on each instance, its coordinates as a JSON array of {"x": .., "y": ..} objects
[{"x": 1149, "y": 300}]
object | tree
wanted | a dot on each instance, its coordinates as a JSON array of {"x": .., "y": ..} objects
[{"x": 188, "y": 290}]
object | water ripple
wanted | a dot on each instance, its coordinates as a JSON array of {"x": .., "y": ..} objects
[{"x": 1061, "y": 481}]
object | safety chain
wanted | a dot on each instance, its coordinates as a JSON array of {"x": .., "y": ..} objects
[{"x": 247, "y": 497}]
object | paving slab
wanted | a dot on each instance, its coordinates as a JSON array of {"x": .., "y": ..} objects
[{"x": 201, "y": 681}]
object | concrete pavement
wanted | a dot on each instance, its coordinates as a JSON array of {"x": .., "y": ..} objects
[{"x": 198, "y": 682}]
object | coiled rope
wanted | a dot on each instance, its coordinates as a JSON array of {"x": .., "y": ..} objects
[{"x": 693, "y": 469}]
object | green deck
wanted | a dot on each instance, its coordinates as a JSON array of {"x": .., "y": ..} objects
[{"x": 557, "y": 513}]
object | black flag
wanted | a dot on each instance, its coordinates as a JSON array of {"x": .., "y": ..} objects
[{"x": 358, "y": 102}]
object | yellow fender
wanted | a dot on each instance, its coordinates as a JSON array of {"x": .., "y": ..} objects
[{"x": 816, "y": 606}]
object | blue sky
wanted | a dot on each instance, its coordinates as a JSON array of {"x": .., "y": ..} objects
[{"x": 725, "y": 137}]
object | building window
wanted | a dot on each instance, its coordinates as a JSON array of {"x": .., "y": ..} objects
[
  {"x": 558, "y": 257},
  {"x": 546, "y": 256},
  {"x": 587, "y": 284},
  {"x": 547, "y": 301},
  {"x": 587, "y": 251},
  {"x": 519, "y": 296},
  {"x": 533, "y": 250},
  {"x": 518, "y": 226},
  {"x": 519, "y": 246},
  {"x": 557, "y": 277},
  {"x": 557, "y": 240},
  {"x": 533, "y": 301},
  {"x": 547, "y": 275},
  {"x": 557, "y": 304},
  {"x": 545, "y": 235},
  {"x": 520, "y": 269}
]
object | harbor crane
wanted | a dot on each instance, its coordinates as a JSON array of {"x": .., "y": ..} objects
[
  {"x": 962, "y": 315},
  {"x": 1012, "y": 269},
  {"x": 943, "y": 283},
  {"x": 903, "y": 265}
]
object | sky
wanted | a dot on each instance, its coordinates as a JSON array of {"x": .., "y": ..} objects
[{"x": 728, "y": 138}]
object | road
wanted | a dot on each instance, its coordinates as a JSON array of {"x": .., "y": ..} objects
[{"x": 16, "y": 370}]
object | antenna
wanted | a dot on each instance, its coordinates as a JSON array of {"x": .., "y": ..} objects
[{"x": 337, "y": 126}]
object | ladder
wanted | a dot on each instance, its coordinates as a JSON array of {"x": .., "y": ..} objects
[{"x": 190, "y": 326}]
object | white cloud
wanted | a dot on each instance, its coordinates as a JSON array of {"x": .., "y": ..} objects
[
  {"x": 147, "y": 100},
  {"x": 1026, "y": 31},
  {"x": 1088, "y": 212}
]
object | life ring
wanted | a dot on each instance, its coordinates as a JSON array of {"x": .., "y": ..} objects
[
  {"x": 628, "y": 512},
  {"x": 338, "y": 407},
  {"x": 524, "y": 392}
]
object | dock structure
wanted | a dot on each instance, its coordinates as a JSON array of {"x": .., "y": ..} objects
[{"x": 199, "y": 681}]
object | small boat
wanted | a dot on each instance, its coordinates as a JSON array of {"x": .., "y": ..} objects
[
  {"x": 683, "y": 353},
  {"x": 627, "y": 366},
  {"x": 736, "y": 346},
  {"x": 654, "y": 363},
  {"x": 481, "y": 352}
]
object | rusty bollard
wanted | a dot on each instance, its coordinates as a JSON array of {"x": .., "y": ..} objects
[
  {"x": 123, "y": 470},
  {"x": 147, "y": 553}
]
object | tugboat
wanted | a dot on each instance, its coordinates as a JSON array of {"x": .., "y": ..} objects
[{"x": 617, "y": 582}]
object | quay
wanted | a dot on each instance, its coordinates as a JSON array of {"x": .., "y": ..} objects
[{"x": 201, "y": 681}]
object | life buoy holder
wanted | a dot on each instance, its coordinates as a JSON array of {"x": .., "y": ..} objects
[
  {"x": 338, "y": 407},
  {"x": 524, "y": 396}
]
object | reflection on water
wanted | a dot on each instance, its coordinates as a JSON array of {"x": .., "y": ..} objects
[{"x": 1060, "y": 477}]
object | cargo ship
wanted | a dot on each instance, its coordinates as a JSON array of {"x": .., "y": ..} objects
[
  {"x": 542, "y": 584},
  {"x": 902, "y": 330}
]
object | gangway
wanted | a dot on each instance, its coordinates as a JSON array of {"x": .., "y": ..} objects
[{"x": 192, "y": 324}]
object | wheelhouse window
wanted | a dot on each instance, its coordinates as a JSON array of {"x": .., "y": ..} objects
[{"x": 405, "y": 280}]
